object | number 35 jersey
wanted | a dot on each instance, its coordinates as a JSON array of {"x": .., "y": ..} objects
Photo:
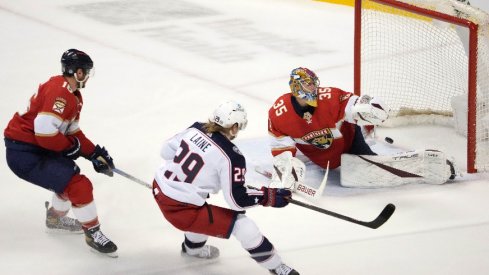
[
  {"x": 198, "y": 163},
  {"x": 322, "y": 133}
]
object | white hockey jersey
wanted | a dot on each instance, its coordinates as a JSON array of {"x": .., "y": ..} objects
[{"x": 198, "y": 164}]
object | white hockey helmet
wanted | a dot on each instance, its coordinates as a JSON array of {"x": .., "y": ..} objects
[{"x": 228, "y": 113}]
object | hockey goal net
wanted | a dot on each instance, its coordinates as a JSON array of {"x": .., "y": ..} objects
[{"x": 427, "y": 58}]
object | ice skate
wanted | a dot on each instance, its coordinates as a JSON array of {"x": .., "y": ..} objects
[
  {"x": 206, "y": 252},
  {"x": 99, "y": 242},
  {"x": 61, "y": 224},
  {"x": 284, "y": 269}
]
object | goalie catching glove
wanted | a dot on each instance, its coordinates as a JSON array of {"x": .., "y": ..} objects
[
  {"x": 367, "y": 110},
  {"x": 288, "y": 172}
]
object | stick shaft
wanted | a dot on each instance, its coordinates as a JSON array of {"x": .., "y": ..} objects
[
  {"x": 126, "y": 175},
  {"x": 381, "y": 219}
]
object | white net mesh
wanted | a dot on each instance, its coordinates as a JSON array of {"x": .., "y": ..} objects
[{"x": 418, "y": 64}]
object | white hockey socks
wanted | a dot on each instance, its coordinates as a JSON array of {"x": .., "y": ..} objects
[
  {"x": 60, "y": 205},
  {"x": 86, "y": 214},
  {"x": 251, "y": 239}
]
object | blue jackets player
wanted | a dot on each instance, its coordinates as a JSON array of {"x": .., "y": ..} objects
[{"x": 201, "y": 160}]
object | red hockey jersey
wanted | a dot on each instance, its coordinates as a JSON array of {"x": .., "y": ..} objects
[
  {"x": 321, "y": 136},
  {"x": 51, "y": 117}
]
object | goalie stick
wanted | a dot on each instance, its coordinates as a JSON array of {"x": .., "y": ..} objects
[
  {"x": 376, "y": 223},
  {"x": 301, "y": 188}
]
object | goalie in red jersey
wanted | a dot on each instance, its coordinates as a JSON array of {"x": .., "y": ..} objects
[{"x": 323, "y": 123}]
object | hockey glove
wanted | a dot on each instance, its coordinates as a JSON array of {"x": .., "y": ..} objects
[
  {"x": 275, "y": 197},
  {"x": 102, "y": 161},
  {"x": 370, "y": 111},
  {"x": 74, "y": 151}
]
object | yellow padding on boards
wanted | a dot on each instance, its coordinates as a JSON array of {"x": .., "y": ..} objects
[
  {"x": 340, "y": 2},
  {"x": 375, "y": 6}
]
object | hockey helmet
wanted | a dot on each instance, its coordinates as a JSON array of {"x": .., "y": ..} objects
[
  {"x": 228, "y": 113},
  {"x": 74, "y": 59},
  {"x": 304, "y": 84}
]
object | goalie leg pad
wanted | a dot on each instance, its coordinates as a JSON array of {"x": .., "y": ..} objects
[{"x": 420, "y": 166}]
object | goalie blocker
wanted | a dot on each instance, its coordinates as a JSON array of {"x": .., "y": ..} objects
[
  {"x": 288, "y": 171},
  {"x": 420, "y": 166}
]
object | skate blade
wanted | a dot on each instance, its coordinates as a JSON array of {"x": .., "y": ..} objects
[
  {"x": 62, "y": 231},
  {"x": 111, "y": 254},
  {"x": 188, "y": 257}
]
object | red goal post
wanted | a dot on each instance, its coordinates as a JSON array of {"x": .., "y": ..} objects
[{"x": 423, "y": 57}]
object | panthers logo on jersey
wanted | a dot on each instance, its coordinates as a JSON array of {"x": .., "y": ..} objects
[{"x": 322, "y": 138}]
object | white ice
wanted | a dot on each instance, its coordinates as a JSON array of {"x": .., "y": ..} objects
[{"x": 161, "y": 65}]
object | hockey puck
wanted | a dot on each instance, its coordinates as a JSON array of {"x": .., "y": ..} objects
[{"x": 389, "y": 140}]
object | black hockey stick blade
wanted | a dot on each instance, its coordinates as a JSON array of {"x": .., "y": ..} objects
[{"x": 374, "y": 224}]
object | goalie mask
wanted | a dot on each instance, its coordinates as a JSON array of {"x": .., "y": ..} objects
[
  {"x": 228, "y": 113},
  {"x": 304, "y": 84}
]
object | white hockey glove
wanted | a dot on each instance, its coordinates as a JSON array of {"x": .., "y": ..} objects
[
  {"x": 288, "y": 171},
  {"x": 370, "y": 111}
]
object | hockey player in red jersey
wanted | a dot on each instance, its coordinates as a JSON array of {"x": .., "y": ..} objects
[
  {"x": 200, "y": 160},
  {"x": 43, "y": 142},
  {"x": 323, "y": 123}
]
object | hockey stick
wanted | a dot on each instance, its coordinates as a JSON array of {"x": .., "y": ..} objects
[
  {"x": 380, "y": 220},
  {"x": 126, "y": 175},
  {"x": 376, "y": 223}
]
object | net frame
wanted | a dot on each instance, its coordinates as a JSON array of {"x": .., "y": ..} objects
[{"x": 473, "y": 28}]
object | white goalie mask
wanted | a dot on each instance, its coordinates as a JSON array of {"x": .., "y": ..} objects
[{"x": 228, "y": 113}]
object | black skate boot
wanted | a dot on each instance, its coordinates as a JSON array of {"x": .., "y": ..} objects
[
  {"x": 284, "y": 269},
  {"x": 61, "y": 224},
  {"x": 99, "y": 242}
]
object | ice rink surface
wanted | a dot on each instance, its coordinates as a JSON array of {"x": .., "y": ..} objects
[{"x": 160, "y": 66}]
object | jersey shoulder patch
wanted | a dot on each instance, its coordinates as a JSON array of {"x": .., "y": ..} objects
[{"x": 59, "y": 105}]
